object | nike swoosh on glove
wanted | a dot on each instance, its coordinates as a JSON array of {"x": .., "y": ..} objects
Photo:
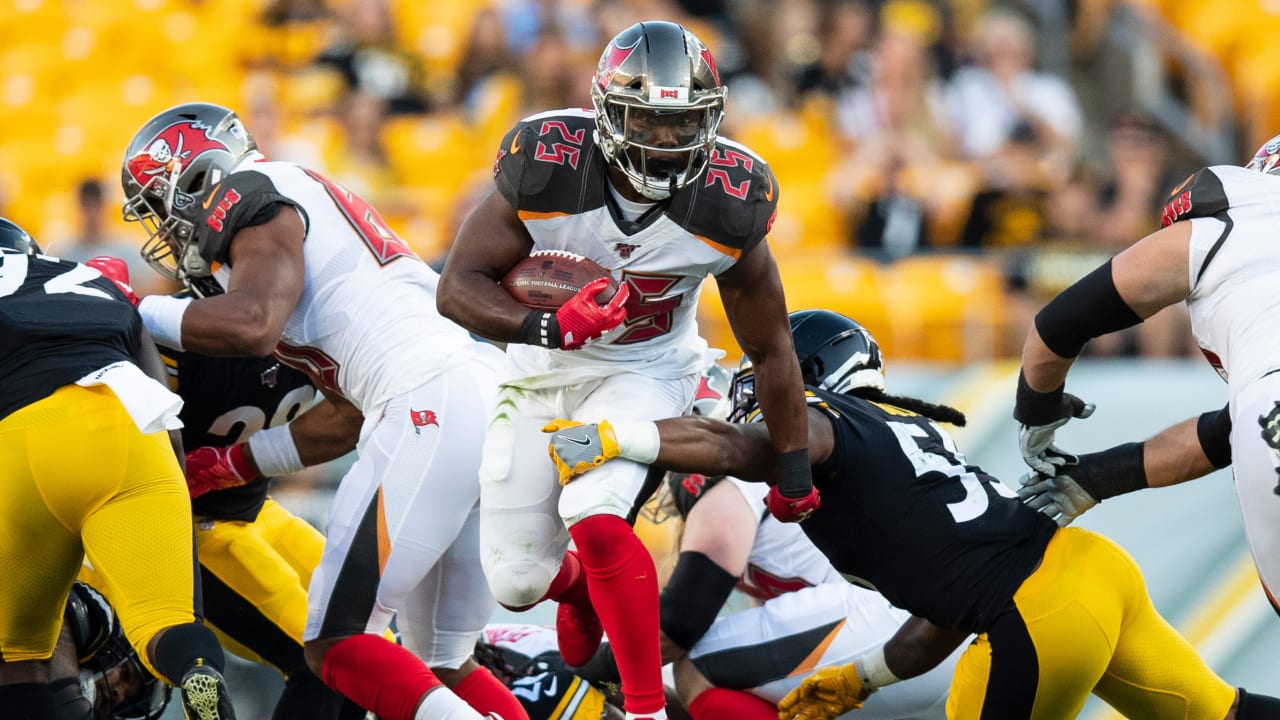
[
  {"x": 214, "y": 468},
  {"x": 576, "y": 448}
]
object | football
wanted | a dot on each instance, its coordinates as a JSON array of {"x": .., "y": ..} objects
[{"x": 548, "y": 278}]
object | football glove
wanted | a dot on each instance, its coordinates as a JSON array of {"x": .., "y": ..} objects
[
  {"x": 792, "y": 509},
  {"x": 576, "y": 448},
  {"x": 215, "y": 468},
  {"x": 828, "y": 693},
  {"x": 117, "y": 271},
  {"x": 1035, "y": 436},
  {"x": 582, "y": 319},
  {"x": 1058, "y": 496}
]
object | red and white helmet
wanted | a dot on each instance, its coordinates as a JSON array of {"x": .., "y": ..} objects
[
  {"x": 178, "y": 156},
  {"x": 659, "y": 103},
  {"x": 1267, "y": 159}
]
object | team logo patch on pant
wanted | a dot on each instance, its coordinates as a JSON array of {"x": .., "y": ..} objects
[{"x": 422, "y": 418}]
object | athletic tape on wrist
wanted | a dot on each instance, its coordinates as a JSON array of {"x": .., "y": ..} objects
[
  {"x": 637, "y": 440},
  {"x": 794, "y": 475},
  {"x": 162, "y": 315},
  {"x": 873, "y": 670},
  {"x": 274, "y": 451},
  {"x": 541, "y": 329}
]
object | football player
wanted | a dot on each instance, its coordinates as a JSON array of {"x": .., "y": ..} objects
[
  {"x": 1216, "y": 252},
  {"x": 1059, "y": 613},
  {"x": 738, "y": 667},
  {"x": 643, "y": 185},
  {"x": 312, "y": 274},
  {"x": 90, "y": 470}
]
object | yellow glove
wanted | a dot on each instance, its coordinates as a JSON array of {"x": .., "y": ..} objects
[
  {"x": 576, "y": 448},
  {"x": 828, "y": 693}
]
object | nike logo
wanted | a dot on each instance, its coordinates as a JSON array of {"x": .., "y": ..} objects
[
  {"x": 584, "y": 442},
  {"x": 515, "y": 144},
  {"x": 768, "y": 194},
  {"x": 550, "y": 689},
  {"x": 209, "y": 200}
]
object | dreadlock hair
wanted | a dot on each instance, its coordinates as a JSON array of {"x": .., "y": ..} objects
[{"x": 933, "y": 411}]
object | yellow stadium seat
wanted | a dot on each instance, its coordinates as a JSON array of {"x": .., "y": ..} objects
[{"x": 945, "y": 307}]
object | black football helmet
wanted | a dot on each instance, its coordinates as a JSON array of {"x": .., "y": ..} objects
[
  {"x": 835, "y": 353},
  {"x": 177, "y": 157},
  {"x": 15, "y": 238},
  {"x": 658, "y": 102},
  {"x": 112, "y": 678}
]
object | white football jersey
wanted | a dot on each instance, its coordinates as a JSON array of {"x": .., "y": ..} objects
[
  {"x": 552, "y": 173},
  {"x": 782, "y": 558},
  {"x": 366, "y": 324},
  {"x": 1234, "y": 264}
]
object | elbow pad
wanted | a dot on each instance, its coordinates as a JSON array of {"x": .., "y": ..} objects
[
  {"x": 1214, "y": 431},
  {"x": 1089, "y": 308},
  {"x": 693, "y": 597}
]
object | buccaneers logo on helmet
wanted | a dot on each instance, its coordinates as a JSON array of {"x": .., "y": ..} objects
[{"x": 177, "y": 144}]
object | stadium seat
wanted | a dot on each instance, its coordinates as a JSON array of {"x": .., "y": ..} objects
[{"x": 944, "y": 307}]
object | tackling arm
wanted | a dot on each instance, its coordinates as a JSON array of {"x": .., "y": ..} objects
[{"x": 263, "y": 291}]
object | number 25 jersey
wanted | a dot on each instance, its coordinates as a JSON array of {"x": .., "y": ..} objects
[{"x": 555, "y": 177}]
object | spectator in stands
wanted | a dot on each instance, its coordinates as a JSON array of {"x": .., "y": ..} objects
[
  {"x": 1010, "y": 210},
  {"x": 845, "y": 32},
  {"x": 550, "y": 76},
  {"x": 372, "y": 61},
  {"x": 93, "y": 237},
  {"x": 485, "y": 70},
  {"x": 1003, "y": 92}
]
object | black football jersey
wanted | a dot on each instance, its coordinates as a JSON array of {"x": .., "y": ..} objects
[
  {"x": 225, "y": 400},
  {"x": 59, "y": 321},
  {"x": 903, "y": 512},
  {"x": 241, "y": 200}
]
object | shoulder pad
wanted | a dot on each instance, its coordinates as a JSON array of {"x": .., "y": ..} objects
[
  {"x": 1200, "y": 195},
  {"x": 243, "y": 199},
  {"x": 548, "y": 163},
  {"x": 90, "y": 618},
  {"x": 734, "y": 203}
]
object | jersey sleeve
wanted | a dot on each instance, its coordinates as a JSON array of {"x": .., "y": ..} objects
[
  {"x": 1202, "y": 195},
  {"x": 242, "y": 200},
  {"x": 546, "y": 164},
  {"x": 735, "y": 202}
]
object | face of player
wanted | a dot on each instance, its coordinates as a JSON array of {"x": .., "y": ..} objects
[
  {"x": 115, "y": 688},
  {"x": 649, "y": 131}
]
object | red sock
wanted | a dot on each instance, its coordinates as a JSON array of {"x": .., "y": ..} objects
[
  {"x": 378, "y": 675},
  {"x": 483, "y": 692},
  {"x": 724, "y": 704},
  {"x": 624, "y": 592}
]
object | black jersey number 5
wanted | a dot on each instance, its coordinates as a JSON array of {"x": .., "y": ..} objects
[{"x": 931, "y": 450}]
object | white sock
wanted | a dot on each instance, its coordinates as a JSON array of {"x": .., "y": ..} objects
[
  {"x": 442, "y": 704},
  {"x": 659, "y": 715}
]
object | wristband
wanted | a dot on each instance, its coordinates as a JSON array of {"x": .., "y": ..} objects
[
  {"x": 274, "y": 451},
  {"x": 1032, "y": 407},
  {"x": 793, "y": 473},
  {"x": 873, "y": 671},
  {"x": 638, "y": 440},
  {"x": 541, "y": 329},
  {"x": 1112, "y": 472},
  {"x": 162, "y": 315}
]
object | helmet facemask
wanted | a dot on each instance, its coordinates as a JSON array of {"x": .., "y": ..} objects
[
  {"x": 742, "y": 394},
  {"x": 169, "y": 248}
]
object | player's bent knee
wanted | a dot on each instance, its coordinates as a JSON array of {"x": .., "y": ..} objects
[{"x": 519, "y": 586}]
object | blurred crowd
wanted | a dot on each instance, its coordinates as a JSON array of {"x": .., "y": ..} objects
[{"x": 899, "y": 129}]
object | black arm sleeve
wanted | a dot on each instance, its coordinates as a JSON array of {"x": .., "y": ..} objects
[
  {"x": 692, "y": 598},
  {"x": 1214, "y": 431},
  {"x": 1089, "y": 308}
]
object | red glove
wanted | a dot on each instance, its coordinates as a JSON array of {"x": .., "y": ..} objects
[
  {"x": 115, "y": 270},
  {"x": 213, "y": 468},
  {"x": 582, "y": 318},
  {"x": 793, "y": 509}
]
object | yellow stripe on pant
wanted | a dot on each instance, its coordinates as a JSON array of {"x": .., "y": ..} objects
[
  {"x": 79, "y": 478},
  {"x": 1091, "y": 626}
]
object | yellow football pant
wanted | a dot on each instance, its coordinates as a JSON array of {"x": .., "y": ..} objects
[
  {"x": 77, "y": 478},
  {"x": 1083, "y": 622},
  {"x": 255, "y": 583}
]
